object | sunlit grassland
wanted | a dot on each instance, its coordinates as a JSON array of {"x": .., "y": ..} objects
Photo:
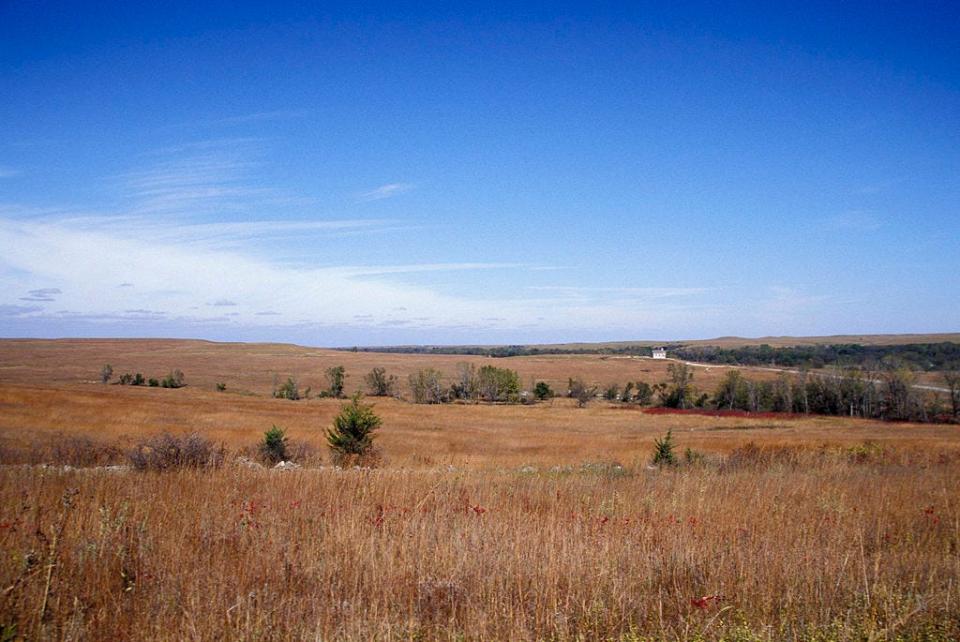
[
  {"x": 494, "y": 522},
  {"x": 796, "y": 548}
]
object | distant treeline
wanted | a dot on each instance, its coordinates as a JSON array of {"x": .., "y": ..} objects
[
  {"x": 510, "y": 351},
  {"x": 918, "y": 356}
]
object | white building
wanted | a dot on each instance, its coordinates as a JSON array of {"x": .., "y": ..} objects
[{"x": 659, "y": 353}]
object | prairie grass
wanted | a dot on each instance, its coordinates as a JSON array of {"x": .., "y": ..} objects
[
  {"x": 802, "y": 547},
  {"x": 485, "y": 522}
]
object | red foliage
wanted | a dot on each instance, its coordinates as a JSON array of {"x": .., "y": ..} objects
[{"x": 705, "y": 601}]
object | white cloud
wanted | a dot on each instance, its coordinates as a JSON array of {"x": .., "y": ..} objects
[
  {"x": 385, "y": 191},
  {"x": 174, "y": 276},
  {"x": 196, "y": 273},
  {"x": 8, "y": 172}
]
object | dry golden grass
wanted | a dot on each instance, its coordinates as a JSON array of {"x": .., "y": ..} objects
[
  {"x": 802, "y": 549},
  {"x": 477, "y": 436},
  {"x": 533, "y": 534},
  {"x": 253, "y": 367}
]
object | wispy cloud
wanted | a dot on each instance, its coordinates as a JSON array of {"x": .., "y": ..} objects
[
  {"x": 8, "y": 172},
  {"x": 207, "y": 183},
  {"x": 192, "y": 272},
  {"x": 7, "y": 310},
  {"x": 385, "y": 191},
  {"x": 650, "y": 293},
  {"x": 41, "y": 294},
  {"x": 357, "y": 271},
  {"x": 145, "y": 312},
  {"x": 226, "y": 233},
  {"x": 86, "y": 259}
]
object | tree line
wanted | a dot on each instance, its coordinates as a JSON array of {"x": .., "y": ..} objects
[
  {"x": 921, "y": 356},
  {"x": 889, "y": 393},
  {"x": 917, "y": 356}
]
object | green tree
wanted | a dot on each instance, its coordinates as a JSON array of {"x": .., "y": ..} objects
[
  {"x": 663, "y": 454},
  {"x": 466, "y": 385},
  {"x": 335, "y": 379},
  {"x": 379, "y": 383},
  {"x": 732, "y": 392},
  {"x": 498, "y": 384},
  {"x": 351, "y": 437},
  {"x": 644, "y": 394},
  {"x": 287, "y": 390},
  {"x": 681, "y": 392},
  {"x": 106, "y": 373},
  {"x": 273, "y": 448},
  {"x": 173, "y": 380},
  {"x": 426, "y": 387},
  {"x": 542, "y": 391}
]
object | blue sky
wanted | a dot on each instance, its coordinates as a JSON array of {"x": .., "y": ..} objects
[{"x": 341, "y": 175}]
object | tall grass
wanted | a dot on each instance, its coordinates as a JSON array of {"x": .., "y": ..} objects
[{"x": 799, "y": 547}]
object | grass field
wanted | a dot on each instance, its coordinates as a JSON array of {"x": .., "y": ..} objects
[{"x": 496, "y": 522}]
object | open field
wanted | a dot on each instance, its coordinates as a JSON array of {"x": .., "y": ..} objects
[
  {"x": 252, "y": 367},
  {"x": 494, "y": 522},
  {"x": 793, "y": 549}
]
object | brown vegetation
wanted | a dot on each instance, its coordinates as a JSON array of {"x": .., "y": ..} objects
[
  {"x": 777, "y": 545},
  {"x": 507, "y": 522}
]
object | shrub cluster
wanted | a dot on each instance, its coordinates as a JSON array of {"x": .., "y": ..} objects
[
  {"x": 175, "y": 379},
  {"x": 169, "y": 452}
]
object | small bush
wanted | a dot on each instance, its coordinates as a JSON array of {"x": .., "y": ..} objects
[
  {"x": 221, "y": 387},
  {"x": 867, "y": 452},
  {"x": 173, "y": 380},
  {"x": 273, "y": 448},
  {"x": 154, "y": 383},
  {"x": 303, "y": 452},
  {"x": 138, "y": 380},
  {"x": 379, "y": 383},
  {"x": 425, "y": 386},
  {"x": 335, "y": 380},
  {"x": 168, "y": 452},
  {"x": 125, "y": 379},
  {"x": 663, "y": 454},
  {"x": 581, "y": 392},
  {"x": 693, "y": 457},
  {"x": 287, "y": 390},
  {"x": 351, "y": 437},
  {"x": 82, "y": 451},
  {"x": 542, "y": 391},
  {"x": 751, "y": 455},
  {"x": 106, "y": 373}
]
